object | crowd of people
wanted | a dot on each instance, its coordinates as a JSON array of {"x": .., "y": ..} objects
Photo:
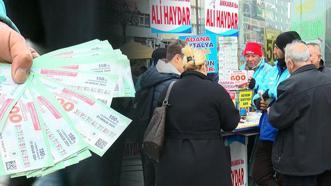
[
  {"x": 293, "y": 95},
  {"x": 282, "y": 101}
]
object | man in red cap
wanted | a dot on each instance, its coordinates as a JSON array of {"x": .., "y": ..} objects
[{"x": 255, "y": 61}]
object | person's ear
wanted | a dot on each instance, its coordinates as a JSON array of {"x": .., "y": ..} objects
[
  {"x": 290, "y": 65},
  {"x": 177, "y": 58}
]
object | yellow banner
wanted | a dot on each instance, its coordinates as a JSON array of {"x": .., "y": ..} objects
[{"x": 245, "y": 98}]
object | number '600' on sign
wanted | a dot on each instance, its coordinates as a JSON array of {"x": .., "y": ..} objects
[{"x": 238, "y": 77}]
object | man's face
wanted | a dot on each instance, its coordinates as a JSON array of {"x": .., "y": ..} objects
[
  {"x": 315, "y": 55},
  {"x": 252, "y": 60},
  {"x": 278, "y": 53}
]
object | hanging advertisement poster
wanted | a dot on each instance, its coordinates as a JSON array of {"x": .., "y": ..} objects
[
  {"x": 170, "y": 16},
  {"x": 228, "y": 53},
  {"x": 270, "y": 36},
  {"x": 205, "y": 42},
  {"x": 221, "y": 17}
]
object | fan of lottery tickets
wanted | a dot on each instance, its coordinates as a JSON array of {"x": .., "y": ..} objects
[{"x": 62, "y": 112}]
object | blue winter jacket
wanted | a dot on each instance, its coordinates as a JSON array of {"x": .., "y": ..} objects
[
  {"x": 160, "y": 81},
  {"x": 259, "y": 73},
  {"x": 272, "y": 80},
  {"x": 4, "y": 18}
]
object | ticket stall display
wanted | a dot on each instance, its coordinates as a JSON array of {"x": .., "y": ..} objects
[{"x": 236, "y": 83}]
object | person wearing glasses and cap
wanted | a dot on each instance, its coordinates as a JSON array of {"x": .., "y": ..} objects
[{"x": 263, "y": 171}]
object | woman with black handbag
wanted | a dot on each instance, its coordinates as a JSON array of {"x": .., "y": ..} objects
[{"x": 194, "y": 152}]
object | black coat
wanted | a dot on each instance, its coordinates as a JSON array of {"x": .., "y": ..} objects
[
  {"x": 302, "y": 115},
  {"x": 194, "y": 151}
]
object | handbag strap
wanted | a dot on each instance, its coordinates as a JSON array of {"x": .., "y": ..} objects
[{"x": 165, "y": 101}]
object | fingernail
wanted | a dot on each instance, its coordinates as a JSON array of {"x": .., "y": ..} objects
[{"x": 21, "y": 75}]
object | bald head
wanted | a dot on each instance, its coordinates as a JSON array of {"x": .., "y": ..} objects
[{"x": 296, "y": 55}]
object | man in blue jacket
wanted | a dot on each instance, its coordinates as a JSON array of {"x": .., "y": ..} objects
[
  {"x": 256, "y": 62},
  {"x": 263, "y": 172}
]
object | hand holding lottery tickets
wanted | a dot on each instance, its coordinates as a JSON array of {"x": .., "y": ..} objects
[
  {"x": 62, "y": 112},
  {"x": 13, "y": 49}
]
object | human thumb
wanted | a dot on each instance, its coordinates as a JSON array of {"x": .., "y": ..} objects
[{"x": 13, "y": 48}]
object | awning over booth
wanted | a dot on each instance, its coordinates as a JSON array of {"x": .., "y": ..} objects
[{"x": 135, "y": 50}]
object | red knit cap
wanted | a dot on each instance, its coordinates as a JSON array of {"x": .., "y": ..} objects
[{"x": 253, "y": 47}]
